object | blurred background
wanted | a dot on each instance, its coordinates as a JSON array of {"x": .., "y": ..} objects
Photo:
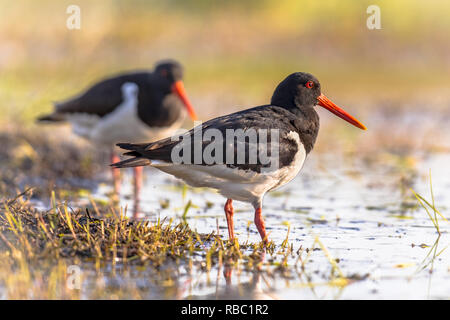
[
  {"x": 396, "y": 80},
  {"x": 234, "y": 52}
]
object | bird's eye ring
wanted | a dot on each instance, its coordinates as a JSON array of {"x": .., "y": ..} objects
[{"x": 309, "y": 84}]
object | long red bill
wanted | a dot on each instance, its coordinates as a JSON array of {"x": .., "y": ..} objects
[
  {"x": 178, "y": 89},
  {"x": 330, "y": 106}
]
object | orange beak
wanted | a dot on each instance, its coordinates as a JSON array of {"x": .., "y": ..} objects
[
  {"x": 330, "y": 106},
  {"x": 178, "y": 89}
]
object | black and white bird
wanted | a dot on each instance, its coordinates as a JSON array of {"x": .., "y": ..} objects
[
  {"x": 293, "y": 124},
  {"x": 136, "y": 106}
]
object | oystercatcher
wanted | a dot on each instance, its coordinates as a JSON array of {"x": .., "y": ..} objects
[
  {"x": 138, "y": 106},
  {"x": 293, "y": 124}
]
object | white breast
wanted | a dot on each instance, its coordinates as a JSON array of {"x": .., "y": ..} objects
[
  {"x": 288, "y": 173},
  {"x": 121, "y": 125}
]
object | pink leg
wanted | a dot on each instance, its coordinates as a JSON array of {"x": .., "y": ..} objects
[
  {"x": 115, "y": 173},
  {"x": 137, "y": 190},
  {"x": 229, "y": 211},
  {"x": 227, "y": 272},
  {"x": 259, "y": 221}
]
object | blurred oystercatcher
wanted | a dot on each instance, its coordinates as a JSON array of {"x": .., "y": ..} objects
[
  {"x": 290, "y": 113},
  {"x": 137, "y": 106}
]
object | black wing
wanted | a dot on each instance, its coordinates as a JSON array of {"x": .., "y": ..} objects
[
  {"x": 258, "y": 118},
  {"x": 103, "y": 97}
]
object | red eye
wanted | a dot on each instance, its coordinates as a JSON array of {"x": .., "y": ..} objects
[{"x": 309, "y": 84}]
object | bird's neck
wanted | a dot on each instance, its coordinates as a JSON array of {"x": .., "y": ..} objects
[
  {"x": 160, "y": 111},
  {"x": 288, "y": 102},
  {"x": 283, "y": 98},
  {"x": 307, "y": 124}
]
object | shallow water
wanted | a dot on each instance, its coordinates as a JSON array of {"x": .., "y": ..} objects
[
  {"x": 365, "y": 215},
  {"x": 360, "y": 207}
]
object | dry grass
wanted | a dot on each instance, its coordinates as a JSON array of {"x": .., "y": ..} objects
[
  {"x": 38, "y": 247},
  {"x": 46, "y": 159}
]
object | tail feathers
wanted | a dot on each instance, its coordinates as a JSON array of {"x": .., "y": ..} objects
[
  {"x": 132, "y": 162},
  {"x": 132, "y": 146},
  {"x": 132, "y": 154},
  {"x": 53, "y": 117},
  {"x": 137, "y": 161}
]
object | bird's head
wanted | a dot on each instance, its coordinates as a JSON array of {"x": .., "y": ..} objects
[
  {"x": 302, "y": 90},
  {"x": 172, "y": 71},
  {"x": 169, "y": 69}
]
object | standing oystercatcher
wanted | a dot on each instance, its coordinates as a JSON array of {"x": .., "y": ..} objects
[
  {"x": 293, "y": 124},
  {"x": 137, "y": 106}
]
